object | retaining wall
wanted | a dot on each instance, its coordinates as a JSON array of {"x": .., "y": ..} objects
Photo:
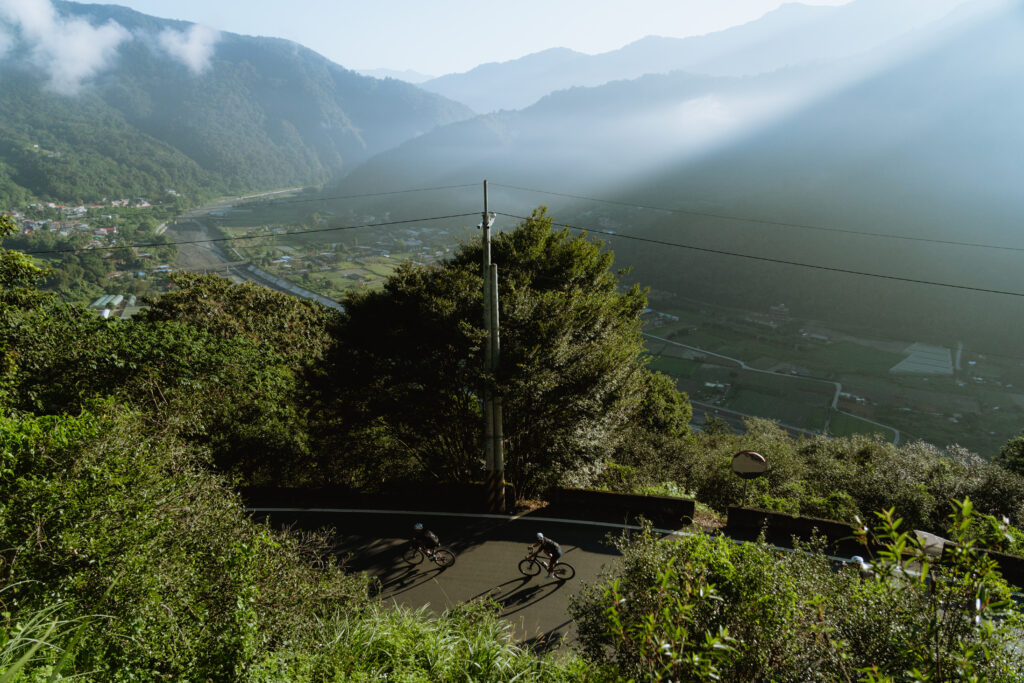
[
  {"x": 779, "y": 529},
  {"x": 1010, "y": 566},
  {"x": 622, "y": 508},
  {"x": 436, "y": 498}
]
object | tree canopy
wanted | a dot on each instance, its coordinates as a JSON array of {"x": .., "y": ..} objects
[{"x": 406, "y": 370}]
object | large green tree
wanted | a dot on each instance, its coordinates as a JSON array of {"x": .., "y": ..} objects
[
  {"x": 1011, "y": 455},
  {"x": 17, "y": 272},
  {"x": 401, "y": 390}
]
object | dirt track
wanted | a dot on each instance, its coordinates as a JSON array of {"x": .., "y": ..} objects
[{"x": 202, "y": 255}]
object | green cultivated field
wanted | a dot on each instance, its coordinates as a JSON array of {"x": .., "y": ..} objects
[
  {"x": 674, "y": 367},
  {"x": 980, "y": 415},
  {"x": 793, "y": 401},
  {"x": 847, "y": 425},
  {"x": 789, "y": 410}
]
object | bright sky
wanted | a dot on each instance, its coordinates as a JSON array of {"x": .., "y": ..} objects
[{"x": 445, "y": 36}]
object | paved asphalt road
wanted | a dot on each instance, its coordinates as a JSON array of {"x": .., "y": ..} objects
[{"x": 488, "y": 550}]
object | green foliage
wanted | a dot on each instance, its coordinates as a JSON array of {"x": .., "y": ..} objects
[
  {"x": 749, "y": 612},
  {"x": 994, "y": 533},
  {"x": 572, "y": 377},
  {"x": 840, "y": 478},
  {"x": 296, "y": 329},
  {"x": 17, "y": 271},
  {"x": 466, "y": 643},
  {"x": 111, "y": 521},
  {"x": 30, "y": 642},
  {"x": 762, "y": 600},
  {"x": 653, "y": 635},
  {"x": 1011, "y": 455},
  {"x": 963, "y": 625},
  {"x": 233, "y": 396},
  {"x": 222, "y": 364}
]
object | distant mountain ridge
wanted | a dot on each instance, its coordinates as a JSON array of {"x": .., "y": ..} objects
[
  {"x": 919, "y": 142},
  {"x": 265, "y": 113},
  {"x": 407, "y": 75},
  {"x": 792, "y": 35}
]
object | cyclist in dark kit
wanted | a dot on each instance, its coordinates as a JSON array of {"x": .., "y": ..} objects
[
  {"x": 550, "y": 547},
  {"x": 425, "y": 539}
]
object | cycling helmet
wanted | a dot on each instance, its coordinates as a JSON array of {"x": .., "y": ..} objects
[
  {"x": 540, "y": 536},
  {"x": 418, "y": 527}
]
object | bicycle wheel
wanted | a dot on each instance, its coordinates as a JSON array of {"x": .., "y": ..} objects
[
  {"x": 444, "y": 557},
  {"x": 529, "y": 567},
  {"x": 412, "y": 555},
  {"x": 563, "y": 571}
]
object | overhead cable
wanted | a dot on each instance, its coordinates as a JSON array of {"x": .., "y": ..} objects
[
  {"x": 722, "y": 252},
  {"x": 761, "y": 221}
]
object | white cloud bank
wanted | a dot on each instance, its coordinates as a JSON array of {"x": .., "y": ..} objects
[
  {"x": 193, "y": 48},
  {"x": 71, "y": 51},
  {"x": 6, "y": 41}
]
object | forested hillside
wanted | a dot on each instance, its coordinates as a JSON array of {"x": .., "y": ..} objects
[{"x": 257, "y": 113}]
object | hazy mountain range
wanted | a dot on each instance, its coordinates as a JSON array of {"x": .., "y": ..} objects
[
  {"x": 918, "y": 139},
  {"x": 794, "y": 34},
  {"x": 100, "y": 100}
]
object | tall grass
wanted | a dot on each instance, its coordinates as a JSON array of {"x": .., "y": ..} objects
[
  {"x": 466, "y": 643},
  {"x": 38, "y": 643}
]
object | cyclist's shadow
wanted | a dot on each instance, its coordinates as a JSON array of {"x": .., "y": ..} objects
[
  {"x": 515, "y": 595},
  {"x": 407, "y": 578}
]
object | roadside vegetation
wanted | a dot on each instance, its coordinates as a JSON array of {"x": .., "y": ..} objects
[
  {"x": 704, "y": 608},
  {"x": 833, "y": 478},
  {"x": 125, "y": 553}
]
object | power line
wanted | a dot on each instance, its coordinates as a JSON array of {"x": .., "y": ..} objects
[
  {"x": 229, "y": 239},
  {"x": 517, "y": 217},
  {"x": 759, "y": 221},
  {"x": 766, "y": 259}
]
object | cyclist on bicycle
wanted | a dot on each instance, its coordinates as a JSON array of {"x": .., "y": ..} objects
[
  {"x": 550, "y": 547},
  {"x": 425, "y": 539}
]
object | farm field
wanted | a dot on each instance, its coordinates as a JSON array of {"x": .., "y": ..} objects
[
  {"x": 979, "y": 407},
  {"x": 847, "y": 425}
]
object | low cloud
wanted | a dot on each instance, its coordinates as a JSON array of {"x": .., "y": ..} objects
[
  {"x": 194, "y": 48},
  {"x": 6, "y": 41},
  {"x": 70, "y": 51}
]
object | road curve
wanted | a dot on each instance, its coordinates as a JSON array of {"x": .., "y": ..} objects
[{"x": 488, "y": 549}]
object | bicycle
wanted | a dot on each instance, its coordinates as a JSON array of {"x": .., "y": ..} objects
[
  {"x": 442, "y": 557},
  {"x": 531, "y": 566}
]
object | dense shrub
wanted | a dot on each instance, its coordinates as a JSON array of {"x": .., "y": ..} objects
[
  {"x": 132, "y": 529},
  {"x": 702, "y": 607},
  {"x": 837, "y": 477},
  {"x": 231, "y": 393}
]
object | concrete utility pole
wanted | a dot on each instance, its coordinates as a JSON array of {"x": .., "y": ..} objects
[{"x": 494, "y": 451}]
